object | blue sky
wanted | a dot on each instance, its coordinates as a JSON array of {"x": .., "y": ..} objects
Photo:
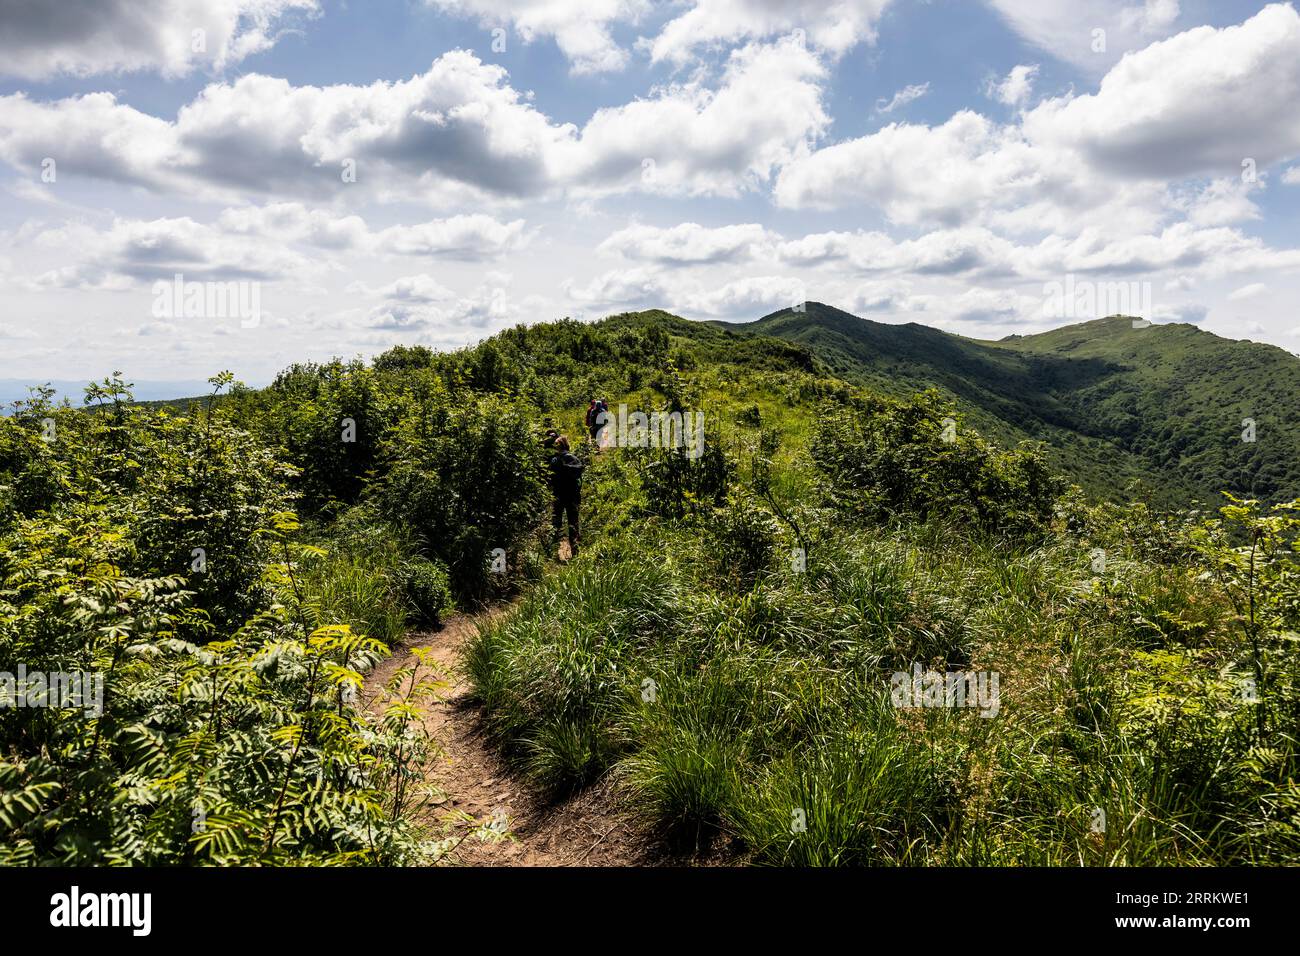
[{"x": 944, "y": 162}]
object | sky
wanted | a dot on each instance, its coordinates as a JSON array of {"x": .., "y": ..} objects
[{"x": 188, "y": 186}]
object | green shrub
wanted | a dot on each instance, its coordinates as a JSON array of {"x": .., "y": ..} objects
[
  {"x": 427, "y": 589},
  {"x": 465, "y": 481},
  {"x": 740, "y": 540},
  {"x": 883, "y": 459}
]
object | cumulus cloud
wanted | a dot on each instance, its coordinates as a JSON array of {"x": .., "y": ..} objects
[
  {"x": 482, "y": 312},
  {"x": 886, "y": 296},
  {"x": 131, "y": 251},
  {"x": 458, "y": 124},
  {"x": 41, "y": 39},
  {"x": 943, "y": 252},
  {"x": 688, "y": 243},
  {"x": 278, "y": 242},
  {"x": 945, "y": 174},
  {"x": 1014, "y": 88},
  {"x": 1071, "y": 162},
  {"x": 456, "y": 131},
  {"x": 473, "y": 237},
  {"x": 751, "y": 296},
  {"x": 696, "y": 140},
  {"x": 638, "y": 286},
  {"x": 581, "y": 28},
  {"x": 1160, "y": 113},
  {"x": 1069, "y": 29},
  {"x": 584, "y": 29},
  {"x": 294, "y": 222},
  {"x": 1220, "y": 202},
  {"x": 978, "y": 251},
  {"x": 834, "y": 26},
  {"x": 417, "y": 288}
]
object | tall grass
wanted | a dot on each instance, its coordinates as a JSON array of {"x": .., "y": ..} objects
[{"x": 762, "y": 715}]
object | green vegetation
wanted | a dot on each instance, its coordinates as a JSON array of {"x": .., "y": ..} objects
[
  {"x": 730, "y": 641},
  {"x": 1153, "y": 412}
]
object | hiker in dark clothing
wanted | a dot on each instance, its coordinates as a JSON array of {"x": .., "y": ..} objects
[
  {"x": 593, "y": 409},
  {"x": 549, "y": 434},
  {"x": 566, "y": 486}
]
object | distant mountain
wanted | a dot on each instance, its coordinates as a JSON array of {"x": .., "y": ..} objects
[
  {"x": 14, "y": 389},
  {"x": 1169, "y": 405}
]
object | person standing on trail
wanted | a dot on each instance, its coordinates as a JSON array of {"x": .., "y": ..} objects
[
  {"x": 566, "y": 487},
  {"x": 593, "y": 409},
  {"x": 549, "y": 436}
]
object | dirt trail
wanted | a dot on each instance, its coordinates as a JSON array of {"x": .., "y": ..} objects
[{"x": 589, "y": 829}]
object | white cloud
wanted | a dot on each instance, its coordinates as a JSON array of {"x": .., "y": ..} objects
[
  {"x": 471, "y": 237},
  {"x": 1291, "y": 176},
  {"x": 479, "y": 314},
  {"x": 694, "y": 140},
  {"x": 132, "y": 251},
  {"x": 294, "y": 222},
  {"x": 275, "y": 243},
  {"x": 946, "y": 174},
  {"x": 456, "y": 132},
  {"x": 1014, "y": 88},
  {"x": 750, "y": 296},
  {"x": 458, "y": 125},
  {"x": 1220, "y": 202},
  {"x": 904, "y": 96},
  {"x": 417, "y": 288},
  {"x": 1247, "y": 291},
  {"x": 889, "y": 296},
  {"x": 638, "y": 286},
  {"x": 974, "y": 250},
  {"x": 1162, "y": 114},
  {"x": 1068, "y": 29},
  {"x": 1074, "y": 162},
  {"x": 834, "y": 26},
  {"x": 42, "y": 39},
  {"x": 688, "y": 243},
  {"x": 581, "y": 28},
  {"x": 943, "y": 252},
  {"x": 1190, "y": 312}
]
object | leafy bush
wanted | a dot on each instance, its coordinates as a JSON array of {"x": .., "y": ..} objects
[
  {"x": 883, "y": 459},
  {"x": 740, "y": 541},
  {"x": 428, "y": 590},
  {"x": 464, "y": 481}
]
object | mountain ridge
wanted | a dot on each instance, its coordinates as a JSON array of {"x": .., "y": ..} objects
[{"x": 1165, "y": 404}]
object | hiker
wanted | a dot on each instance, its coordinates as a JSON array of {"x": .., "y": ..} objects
[
  {"x": 549, "y": 436},
  {"x": 566, "y": 486},
  {"x": 593, "y": 409},
  {"x": 603, "y": 422}
]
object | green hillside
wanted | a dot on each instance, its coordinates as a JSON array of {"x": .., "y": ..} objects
[
  {"x": 836, "y": 631},
  {"x": 1162, "y": 404}
]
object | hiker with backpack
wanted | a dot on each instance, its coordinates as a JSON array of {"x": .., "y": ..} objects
[
  {"x": 566, "y": 487},
  {"x": 549, "y": 436},
  {"x": 597, "y": 418}
]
